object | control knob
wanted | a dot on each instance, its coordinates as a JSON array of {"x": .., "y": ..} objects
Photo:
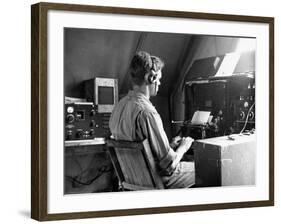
[
  {"x": 68, "y": 134},
  {"x": 251, "y": 115},
  {"x": 242, "y": 115},
  {"x": 92, "y": 132},
  {"x": 70, "y": 118},
  {"x": 79, "y": 134}
]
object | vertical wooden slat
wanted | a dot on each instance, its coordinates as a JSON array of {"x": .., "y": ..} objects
[
  {"x": 133, "y": 166},
  {"x": 148, "y": 154}
]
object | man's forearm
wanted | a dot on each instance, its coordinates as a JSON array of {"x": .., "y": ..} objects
[{"x": 179, "y": 152}]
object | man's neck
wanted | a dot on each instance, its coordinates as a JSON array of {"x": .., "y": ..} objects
[{"x": 142, "y": 89}]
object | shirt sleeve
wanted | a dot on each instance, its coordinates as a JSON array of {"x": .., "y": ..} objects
[{"x": 151, "y": 126}]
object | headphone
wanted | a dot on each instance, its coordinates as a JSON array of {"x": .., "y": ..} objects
[{"x": 151, "y": 77}]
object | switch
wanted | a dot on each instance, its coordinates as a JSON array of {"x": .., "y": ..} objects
[
  {"x": 93, "y": 112},
  {"x": 93, "y": 123}
]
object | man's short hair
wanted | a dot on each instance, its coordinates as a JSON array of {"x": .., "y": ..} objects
[{"x": 141, "y": 64}]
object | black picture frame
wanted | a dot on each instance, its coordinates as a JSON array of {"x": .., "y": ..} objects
[{"x": 39, "y": 108}]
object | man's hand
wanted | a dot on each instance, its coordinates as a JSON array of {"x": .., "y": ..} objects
[
  {"x": 186, "y": 142},
  {"x": 183, "y": 147},
  {"x": 175, "y": 142}
]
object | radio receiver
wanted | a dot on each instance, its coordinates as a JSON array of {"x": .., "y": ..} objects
[{"x": 82, "y": 121}]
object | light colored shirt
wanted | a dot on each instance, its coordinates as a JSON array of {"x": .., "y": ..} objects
[{"x": 134, "y": 118}]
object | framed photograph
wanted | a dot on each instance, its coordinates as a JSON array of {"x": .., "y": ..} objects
[{"x": 202, "y": 140}]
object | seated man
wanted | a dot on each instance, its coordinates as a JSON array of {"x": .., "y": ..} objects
[{"x": 134, "y": 118}]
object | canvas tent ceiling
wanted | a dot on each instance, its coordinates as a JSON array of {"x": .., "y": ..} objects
[{"x": 93, "y": 53}]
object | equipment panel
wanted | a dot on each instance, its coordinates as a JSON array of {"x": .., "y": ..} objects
[{"x": 82, "y": 121}]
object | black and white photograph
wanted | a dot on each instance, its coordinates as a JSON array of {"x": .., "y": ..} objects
[
  {"x": 148, "y": 111},
  {"x": 157, "y": 111}
]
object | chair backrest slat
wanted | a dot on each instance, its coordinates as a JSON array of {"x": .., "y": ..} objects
[{"x": 136, "y": 164}]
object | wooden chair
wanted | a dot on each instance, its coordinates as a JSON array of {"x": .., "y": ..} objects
[{"x": 134, "y": 165}]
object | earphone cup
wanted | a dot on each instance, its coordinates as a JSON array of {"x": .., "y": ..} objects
[{"x": 152, "y": 77}]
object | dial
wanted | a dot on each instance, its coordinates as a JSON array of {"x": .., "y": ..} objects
[
  {"x": 70, "y": 118},
  {"x": 70, "y": 109},
  {"x": 242, "y": 115},
  {"x": 251, "y": 115}
]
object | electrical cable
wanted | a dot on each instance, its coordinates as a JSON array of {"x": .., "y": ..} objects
[
  {"x": 101, "y": 170},
  {"x": 82, "y": 171}
]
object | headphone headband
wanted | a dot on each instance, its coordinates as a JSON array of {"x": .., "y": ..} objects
[{"x": 152, "y": 75}]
